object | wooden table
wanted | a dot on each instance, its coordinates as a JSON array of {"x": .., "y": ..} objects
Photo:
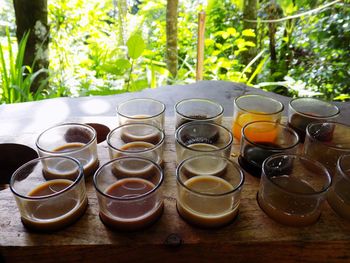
[{"x": 252, "y": 237}]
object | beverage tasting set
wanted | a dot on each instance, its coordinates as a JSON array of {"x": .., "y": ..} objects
[{"x": 294, "y": 181}]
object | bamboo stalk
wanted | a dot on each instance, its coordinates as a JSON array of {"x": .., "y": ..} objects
[{"x": 200, "y": 45}]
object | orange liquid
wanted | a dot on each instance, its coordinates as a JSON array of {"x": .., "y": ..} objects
[{"x": 263, "y": 135}]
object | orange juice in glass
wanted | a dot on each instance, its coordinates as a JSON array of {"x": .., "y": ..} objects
[{"x": 249, "y": 108}]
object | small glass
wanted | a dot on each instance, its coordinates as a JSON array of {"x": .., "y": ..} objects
[
  {"x": 293, "y": 189},
  {"x": 339, "y": 193},
  {"x": 138, "y": 140},
  {"x": 48, "y": 204},
  {"x": 326, "y": 142},
  {"x": 197, "y": 137},
  {"x": 262, "y": 139},
  {"x": 302, "y": 111},
  {"x": 129, "y": 193},
  {"x": 252, "y": 107},
  {"x": 197, "y": 109},
  {"x": 142, "y": 110},
  {"x": 71, "y": 139},
  {"x": 208, "y": 190}
]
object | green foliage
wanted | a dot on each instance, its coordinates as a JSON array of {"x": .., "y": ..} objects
[
  {"x": 92, "y": 54},
  {"x": 16, "y": 78}
]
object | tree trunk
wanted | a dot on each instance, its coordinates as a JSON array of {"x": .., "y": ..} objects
[
  {"x": 250, "y": 13},
  {"x": 31, "y": 15},
  {"x": 171, "y": 36}
]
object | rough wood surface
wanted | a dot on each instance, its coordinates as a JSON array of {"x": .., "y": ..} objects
[{"x": 252, "y": 237}]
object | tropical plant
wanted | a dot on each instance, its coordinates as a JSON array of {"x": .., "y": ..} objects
[{"x": 17, "y": 78}]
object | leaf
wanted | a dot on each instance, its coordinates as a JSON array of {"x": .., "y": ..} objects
[
  {"x": 232, "y": 31},
  {"x": 248, "y": 33},
  {"x": 136, "y": 46}
]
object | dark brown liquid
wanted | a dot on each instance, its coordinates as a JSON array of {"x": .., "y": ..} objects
[
  {"x": 89, "y": 167},
  {"x": 253, "y": 157},
  {"x": 54, "y": 214},
  {"x": 131, "y": 215},
  {"x": 182, "y": 121},
  {"x": 299, "y": 123}
]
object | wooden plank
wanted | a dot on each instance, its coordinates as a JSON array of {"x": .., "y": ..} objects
[{"x": 252, "y": 237}]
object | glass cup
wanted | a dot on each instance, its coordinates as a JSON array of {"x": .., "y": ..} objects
[
  {"x": 249, "y": 108},
  {"x": 138, "y": 140},
  {"x": 326, "y": 142},
  {"x": 197, "y": 137},
  {"x": 71, "y": 139},
  {"x": 48, "y": 204},
  {"x": 302, "y": 111},
  {"x": 141, "y": 110},
  {"x": 129, "y": 193},
  {"x": 261, "y": 139},
  {"x": 339, "y": 194},
  {"x": 292, "y": 189},
  {"x": 197, "y": 109},
  {"x": 208, "y": 190}
]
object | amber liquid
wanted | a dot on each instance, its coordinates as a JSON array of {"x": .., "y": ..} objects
[
  {"x": 131, "y": 215},
  {"x": 289, "y": 209},
  {"x": 136, "y": 147},
  {"x": 86, "y": 158},
  {"x": 339, "y": 198},
  {"x": 54, "y": 213},
  {"x": 244, "y": 118},
  {"x": 206, "y": 211}
]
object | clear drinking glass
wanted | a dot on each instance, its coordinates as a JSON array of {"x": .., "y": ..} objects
[
  {"x": 197, "y": 138},
  {"x": 252, "y": 107},
  {"x": 51, "y": 202},
  {"x": 326, "y": 142},
  {"x": 138, "y": 140},
  {"x": 197, "y": 109},
  {"x": 339, "y": 194},
  {"x": 129, "y": 193},
  {"x": 142, "y": 110},
  {"x": 292, "y": 189},
  {"x": 302, "y": 111},
  {"x": 208, "y": 190},
  {"x": 71, "y": 139},
  {"x": 262, "y": 139}
]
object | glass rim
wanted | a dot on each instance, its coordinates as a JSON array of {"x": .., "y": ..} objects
[
  {"x": 156, "y": 187},
  {"x": 311, "y": 116},
  {"x": 323, "y": 143},
  {"x": 86, "y": 145},
  {"x": 177, "y": 139},
  {"x": 295, "y": 156},
  {"x": 156, "y": 146},
  {"x": 221, "y": 108},
  {"x": 74, "y": 183},
  {"x": 140, "y": 99},
  {"x": 236, "y": 166},
  {"x": 270, "y": 148},
  {"x": 261, "y": 96},
  {"x": 340, "y": 170}
]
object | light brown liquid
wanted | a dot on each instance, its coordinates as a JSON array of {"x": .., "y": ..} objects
[
  {"x": 131, "y": 215},
  {"x": 207, "y": 211},
  {"x": 183, "y": 153},
  {"x": 290, "y": 209},
  {"x": 339, "y": 198},
  {"x": 86, "y": 158},
  {"x": 55, "y": 212},
  {"x": 138, "y": 147}
]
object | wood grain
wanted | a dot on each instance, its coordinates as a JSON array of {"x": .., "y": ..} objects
[{"x": 252, "y": 237}]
